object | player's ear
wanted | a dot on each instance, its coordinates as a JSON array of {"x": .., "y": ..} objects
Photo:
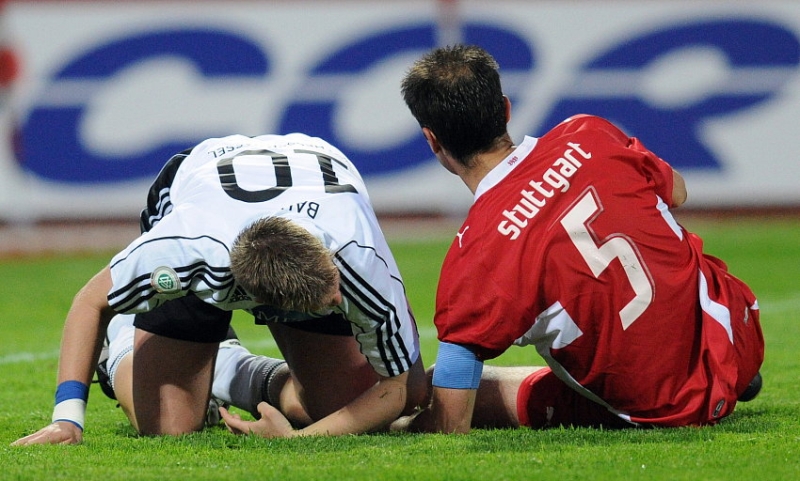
[
  {"x": 433, "y": 143},
  {"x": 442, "y": 155},
  {"x": 507, "y": 101}
]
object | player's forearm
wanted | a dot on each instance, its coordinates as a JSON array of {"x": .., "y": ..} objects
[
  {"x": 432, "y": 420},
  {"x": 83, "y": 331},
  {"x": 451, "y": 410},
  {"x": 375, "y": 409},
  {"x": 80, "y": 344}
]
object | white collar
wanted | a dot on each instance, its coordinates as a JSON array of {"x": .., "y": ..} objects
[{"x": 501, "y": 170}]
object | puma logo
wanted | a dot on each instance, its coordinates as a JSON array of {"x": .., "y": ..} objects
[{"x": 460, "y": 235}]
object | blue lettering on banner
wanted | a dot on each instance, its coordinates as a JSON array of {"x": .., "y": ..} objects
[
  {"x": 761, "y": 56},
  {"x": 50, "y": 143},
  {"x": 317, "y": 116}
]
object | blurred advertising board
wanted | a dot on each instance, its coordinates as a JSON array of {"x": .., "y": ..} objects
[{"x": 107, "y": 91}]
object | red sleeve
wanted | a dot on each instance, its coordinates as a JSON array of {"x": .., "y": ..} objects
[
  {"x": 468, "y": 306},
  {"x": 473, "y": 307},
  {"x": 655, "y": 169}
]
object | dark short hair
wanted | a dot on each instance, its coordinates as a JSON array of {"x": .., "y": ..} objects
[
  {"x": 455, "y": 92},
  {"x": 283, "y": 265}
]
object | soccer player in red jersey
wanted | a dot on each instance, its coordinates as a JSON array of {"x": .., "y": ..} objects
[{"x": 570, "y": 247}]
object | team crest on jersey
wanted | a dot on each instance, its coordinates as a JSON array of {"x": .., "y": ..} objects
[{"x": 165, "y": 280}]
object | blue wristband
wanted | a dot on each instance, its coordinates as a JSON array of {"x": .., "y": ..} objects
[
  {"x": 72, "y": 390},
  {"x": 456, "y": 367},
  {"x": 71, "y": 397}
]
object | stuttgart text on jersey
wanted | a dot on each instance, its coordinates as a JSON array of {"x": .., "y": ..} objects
[{"x": 554, "y": 180}]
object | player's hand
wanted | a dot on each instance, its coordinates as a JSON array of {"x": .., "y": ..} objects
[
  {"x": 57, "y": 433},
  {"x": 272, "y": 424},
  {"x": 413, "y": 423},
  {"x": 401, "y": 423}
]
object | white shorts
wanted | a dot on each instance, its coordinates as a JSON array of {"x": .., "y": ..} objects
[{"x": 120, "y": 341}]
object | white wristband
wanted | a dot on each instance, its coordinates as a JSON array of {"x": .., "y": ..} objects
[{"x": 71, "y": 410}]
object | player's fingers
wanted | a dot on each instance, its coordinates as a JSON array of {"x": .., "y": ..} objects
[
  {"x": 48, "y": 435},
  {"x": 266, "y": 410},
  {"x": 228, "y": 415},
  {"x": 235, "y": 428},
  {"x": 233, "y": 422},
  {"x": 273, "y": 423},
  {"x": 41, "y": 436},
  {"x": 27, "y": 440},
  {"x": 24, "y": 441},
  {"x": 70, "y": 441},
  {"x": 263, "y": 409},
  {"x": 21, "y": 441}
]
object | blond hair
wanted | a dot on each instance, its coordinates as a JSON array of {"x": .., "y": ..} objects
[{"x": 283, "y": 265}]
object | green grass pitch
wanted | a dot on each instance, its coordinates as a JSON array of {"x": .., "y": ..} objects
[{"x": 760, "y": 441}]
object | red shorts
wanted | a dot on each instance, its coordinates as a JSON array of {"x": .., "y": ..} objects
[
  {"x": 543, "y": 400},
  {"x": 748, "y": 340}
]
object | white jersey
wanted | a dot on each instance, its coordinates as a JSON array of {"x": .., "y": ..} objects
[{"x": 204, "y": 198}]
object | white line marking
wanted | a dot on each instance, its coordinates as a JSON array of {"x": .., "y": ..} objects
[
  {"x": 425, "y": 333},
  {"x": 28, "y": 357}
]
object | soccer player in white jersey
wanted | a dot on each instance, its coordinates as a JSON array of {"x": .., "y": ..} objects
[
  {"x": 570, "y": 247},
  {"x": 279, "y": 226}
]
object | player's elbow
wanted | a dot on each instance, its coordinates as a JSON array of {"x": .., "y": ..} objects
[{"x": 679, "y": 193}]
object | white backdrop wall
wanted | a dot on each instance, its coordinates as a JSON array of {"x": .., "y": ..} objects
[{"x": 108, "y": 91}]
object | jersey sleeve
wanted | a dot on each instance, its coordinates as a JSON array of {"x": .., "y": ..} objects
[
  {"x": 654, "y": 168},
  {"x": 376, "y": 306},
  {"x": 473, "y": 308},
  {"x": 158, "y": 267}
]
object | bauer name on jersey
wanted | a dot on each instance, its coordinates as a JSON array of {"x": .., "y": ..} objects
[{"x": 205, "y": 196}]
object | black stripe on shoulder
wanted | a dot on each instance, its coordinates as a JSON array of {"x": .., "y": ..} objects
[
  {"x": 365, "y": 284},
  {"x": 373, "y": 304},
  {"x": 158, "y": 200},
  {"x": 140, "y": 288}
]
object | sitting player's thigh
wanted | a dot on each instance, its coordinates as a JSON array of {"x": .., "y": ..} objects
[
  {"x": 328, "y": 370},
  {"x": 496, "y": 399}
]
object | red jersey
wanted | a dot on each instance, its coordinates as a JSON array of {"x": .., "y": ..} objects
[{"x": 570, "y": 246}]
